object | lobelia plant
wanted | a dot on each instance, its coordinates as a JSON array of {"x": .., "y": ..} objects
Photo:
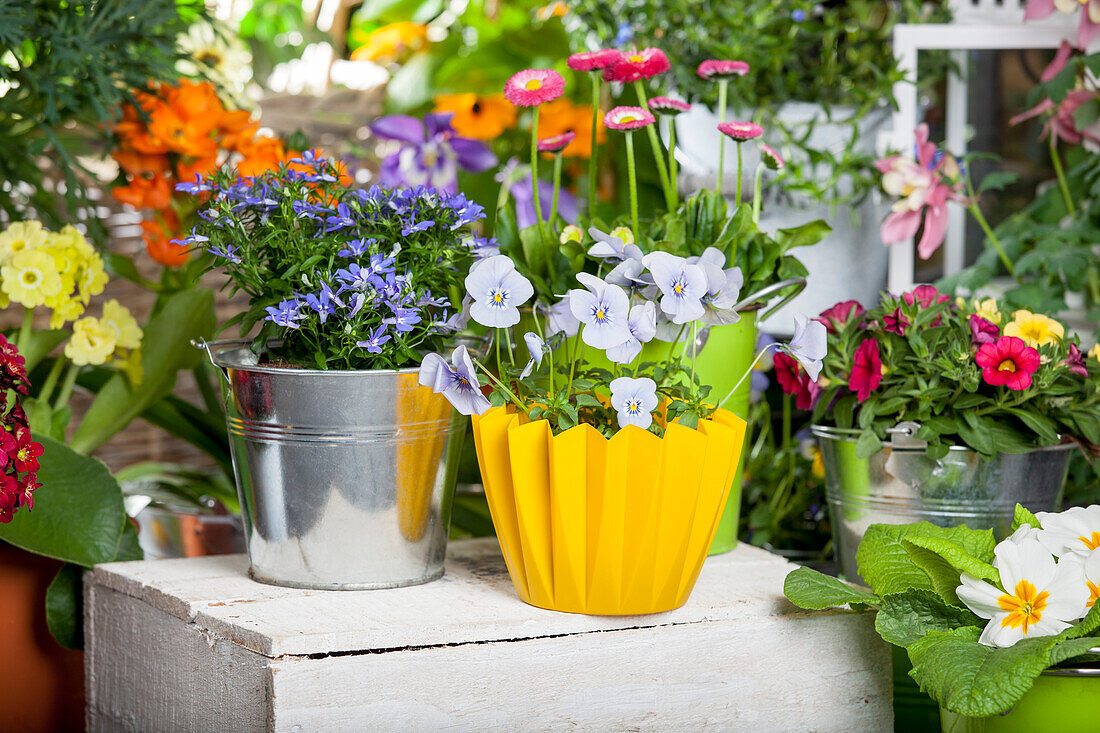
[
  {"x": 966, "y": 372},
  {"x": 979, "y": 619},
  {"x": 337, "y": 278}
]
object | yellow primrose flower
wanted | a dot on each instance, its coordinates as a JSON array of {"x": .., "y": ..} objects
[
  {"x": 20, "y": 236},
  {"x": 987, "y": 309},
  {"x": 624, "y": 234},
  {"x": 93, "y": 278},
  {"x": 92, "y": 342},
  {"x": 1034, "y": 328},
  {"x": 30, "y": 278},
  {"x": 117, "y": 318},
  {"x": 65, "y": 308}
]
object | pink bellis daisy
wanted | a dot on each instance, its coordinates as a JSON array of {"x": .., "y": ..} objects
[
  {"x": 771, "y": 159},
  {"x": 628, "y": 118},
  {"x": 556, "y": 143},
  {"x": 741, "y": 131},
  {"x": 532, "y": 87},
  {"x": 668, "y": 106},
  {"x": 717, "y": 69},
  {"x": 632, "y": 66},
  {"x": 594, "y": 60}
]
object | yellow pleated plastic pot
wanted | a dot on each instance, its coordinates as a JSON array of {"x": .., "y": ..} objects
[{"x": 617, "y": 526}]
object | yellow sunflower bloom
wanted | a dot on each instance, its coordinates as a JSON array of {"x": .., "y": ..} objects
[
  {"x": 987, "y": 309},
  {"x": 126, "y": 329},
  {"x": 480, "y": 117},
  {"x": 92, "y": 342},
  {"x": 19, "y": 237},
  {"x": 1034, "y": 328},
  {"x": 31, "y": 278}
]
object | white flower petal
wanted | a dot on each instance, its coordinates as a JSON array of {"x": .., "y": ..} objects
[{"x": 979, "y": 596}]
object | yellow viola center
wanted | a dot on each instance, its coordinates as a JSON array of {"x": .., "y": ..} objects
[
  {"x": 498, "y": 298},
  {"x": 1007, "y": 366},
  {"x": 1091, "y": 542},
  {"x": 1025, "y": 606},
  {"x": 533, "y": 85},
  {"x": 678, "y": 289},
  {"x": 600, "y": 314},
  {"x": 633, "y": 406}
]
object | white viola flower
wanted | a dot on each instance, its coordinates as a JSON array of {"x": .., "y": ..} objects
[
  {"x": 498, "y": 291},
  {"x": 634, "y": 400},
  {"x": 643, "y": 327},
  {"x": 603, "y": 309},
  {"x": 456, "y": 381},
  {"x": 682, "y": 286},
  {"x": 560, "y": 319},
  {"x": 630, "y": 273},
  {"x": 723, "y": 292},
  {"x": 1076, "y": 530},
  {"x": 808, "y": 345},
  {"x": 1040, "y": 597},
  {"x": 609, "y": 246},
  {"x": 537, "y": 348}
]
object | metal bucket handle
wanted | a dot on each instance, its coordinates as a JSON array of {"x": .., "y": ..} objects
[
  {"x": 798, "y": 283},
  {"x": 207, "y": 346}
]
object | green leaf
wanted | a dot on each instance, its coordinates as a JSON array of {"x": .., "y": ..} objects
[
  {"x": 903, "y": 618},
  {"x": 802, "y": 236},
  {"x": 997, "y": 181},
  {"x": 1046, "y": 428},
  {"x": 78, "y": 515},
  {"x": 39, "y": 345},
  {"x": 1024, "y": 516},
  {"x": 807, "y": 588},
  {"x": 65, "y": 607},
  {"x": 884, "y": 562},
  {"x": 165, "y": 350},
  {"x": 961, "y": 550},
  {"x": 868, "y": 444}
]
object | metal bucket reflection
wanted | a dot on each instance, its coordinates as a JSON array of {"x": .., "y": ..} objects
[
  {"x": 898, "y": 486},
  {"x": 345, "y": 477}
]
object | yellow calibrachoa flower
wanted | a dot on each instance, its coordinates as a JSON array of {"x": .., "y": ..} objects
[
  {"x": 987, "y": 309},
  {"x": 92, "y": 342},
  {"x": 31, "y": 278},
  {"x": 117, "y": 318},
  {"x": 1034, "y": 328},
  {"x": 1094, "y": 352},
  {"x": 19, "y": 237}
]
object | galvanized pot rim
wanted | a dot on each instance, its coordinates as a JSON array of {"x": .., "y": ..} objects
[
  {"x": 219, "y": 349},
  {"x": 851, "y": 435}
]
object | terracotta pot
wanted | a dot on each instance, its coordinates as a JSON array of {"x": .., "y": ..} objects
[{"x": 43, "y": 686}]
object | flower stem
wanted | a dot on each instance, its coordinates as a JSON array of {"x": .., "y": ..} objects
[
  {"x": 593, "y": 158},
  {"x": 672, "y": 172},
  {"x": 557, "y": 185},
  {"x": 976, "y": 212},
  {"x": 744, "y": 376},
  {"x": 500, "y": 385},
  {"x": 46, "y": 391},
  {"x": 535, "y": 164},
  {"x": 756, "y": 186},
  {"x": 672, "y": 346},
  {"x": 573, "y": 363},
  {"x": 1057, "y": 161},
  {"x": 25, "y": 331},
  {"x": 694, "y": 336},
  {"x": 738, "y": 172},
  {"x": 722, "y": 85},
  {"x": 67, "y": 386},
  {"x": 633, "y": 183},
  {"x": 496, "y": 342},
  {"x": 654, "y": 141}
]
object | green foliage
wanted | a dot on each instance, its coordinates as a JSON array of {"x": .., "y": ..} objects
[
  {"x": 808, "y": 588},
  {"x": 65, "y": 607},
  {"x": 70, "y": 66}
]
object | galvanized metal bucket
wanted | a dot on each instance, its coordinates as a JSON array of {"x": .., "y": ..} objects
[
  {"x": 345, "y": 477},
  {"x": 902, "y": 484}
]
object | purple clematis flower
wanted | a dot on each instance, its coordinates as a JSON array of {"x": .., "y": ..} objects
[
  {"x": 642, "y": 324},
  {"x": 456, "y": 381},
  {"x": 604, "y": 311},
  {"x": 432, "y": 153},
  {"x": 497, "y": 290},
  {"x": 374, "y": 340},
  {"x": 634, "y": 400},
  {"x": 808, "y": 345},
  {"x": 683, "y": 286},
  {"x": 537, "y": 348}
]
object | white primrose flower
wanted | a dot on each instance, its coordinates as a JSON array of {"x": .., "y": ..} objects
[
  {"x": 1076, "y": 530},
  {"x": 682, "y": 286},
  {"x": 1040, "y": 597},
  {"x": 642, "y": 323},
  {"x": 634, "y": 400},
  {"x": 497, "y": 290},
  {"x": 603, "y": 309}
]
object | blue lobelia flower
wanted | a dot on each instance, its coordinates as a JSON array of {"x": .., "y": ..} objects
[
  {"x": 194, "y": 187},
  {"x": 356, "y": 247},
  {"x": 287, "y": 313},
  {"x": 634, "y": 400},
  {"x": 310, "y": 158},
  {"x": 340, "y": 219},
  {"x": 483, "y": 247},
  {"x": 682, "y": 286},
  {"x": 537, "y": 348},
  {"x": 497, "y": 291},
  {"x": 355, "y": 277},
  {"x": 324, "y": 301},
  {"x": 456, "y": 381},
  {"x": 374, "y": 340},
  {"x": 603, "y": 309},
  {"x": 809, "y": 345},
  {"x": 642, "y": 324},
  {"x": 403, "y": 319},
  {"x": 420, "y": 226},
  {"x": 624, "y": 34}
]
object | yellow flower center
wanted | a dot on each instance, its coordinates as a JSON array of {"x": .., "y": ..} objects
[
  {"x": 23, "y": 453},
  {"x": 628, "y": 118},
  {"x": 678, "y": 289},
  {"x": 18, "y": 245},
  {"x": 533, "y": 85},
  {"x": 498, "y": 298},
  {"x": 1007, "y": 366},
  {"x": 1025, "y": 607},
  {"x": 31, "y": 277},
  {"x": 600, "y": 314},
  {"x": 637, "y": 58},
  {"x": 1091, "y": 542},
  {"x": 633, "y": 406},
  {"x": 1094, "y": 593}
]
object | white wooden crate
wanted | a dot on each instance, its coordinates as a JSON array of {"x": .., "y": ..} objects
[{"x": 194, "y": 645}]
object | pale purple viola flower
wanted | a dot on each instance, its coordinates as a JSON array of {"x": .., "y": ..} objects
[
  {"x": 683, "y": 286},
  {"x": 459, "y": 320},
  {"x": 456, "y": 381},
  {"x": 324, "y": 301},
  {"x": 634, "y": 400},
  {"x": 809, "y": 345},
  {"x": 374, "y": 340},
  {"x": 498, "y": 291},
  {"x": 432, "y": 153},
  {"x": 287, "y": 313},
  {"x": 642, "y": 324},
  {"x": 609, "y": 246},
  {"x": 723, "y": 289},
  {"x": 560, "y": 319},
  {"x": 603, "y": 309},
  {"x": 537, "y": 348}
]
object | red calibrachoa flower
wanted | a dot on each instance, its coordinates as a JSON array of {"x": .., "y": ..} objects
[
  {"x": 895, "y": 322},
  {"x": 795, "y": 381},
  {"x": 1075, "y": 361},
  {"x": 594, "y": 60},
  {"x": 926, "y": 295},
  {"x": 532, "y": 87},
  {"x": 982, "y": 331},
  {"x": 631, "y": 66},
  {"x": 866, "y": 369},
  {"x": 837, "y": 317},
  {"x": 1008, "y": 362}
]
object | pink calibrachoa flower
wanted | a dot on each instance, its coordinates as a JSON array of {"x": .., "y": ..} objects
[
  {"x": 923, "y": 188},
  {"x": 771, "y": 159},
  {"x": 644, "y": 63},
  {"x": 1090, "y": 15},
  {"x": 837, "y": 316},
  {"x": 1075, "y": 361},
  {"x": 593, "y": 60},
  {"x": 556, "y": 143},
  {"x": 532, "y": 87},
  {"x": 719, "y": 69},
  {"x": 982, "y": 331},
  {"x": 925, "y": 295},
  {"x": 628, "y": 118},
  {"x": 668, "y": 106},
  {"x": 1008, "y": 361},
  {"x": 795, "y": 381},
  {"x": 741, "y": 131},
  {"x": 866, "y": 369},
  {"x": 895, "y": 322}
]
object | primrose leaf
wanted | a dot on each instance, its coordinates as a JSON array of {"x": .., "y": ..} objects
[
  {"x": 807, "y": 588},
  {"x": 903, "y": 618},
  {"x": 1024, "y": 516}
]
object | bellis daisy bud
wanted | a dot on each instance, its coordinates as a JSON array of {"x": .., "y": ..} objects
[
  {"x": 771, "y": 159},
  {"x": 668, "y": 106},
  {"x": 594, "y": 60},
  {"x": 741, "y": 131},
  {"x": 556, "y": 143},
  {"x": 628, "y": 118},
  {"x": 717, "y": 69}
]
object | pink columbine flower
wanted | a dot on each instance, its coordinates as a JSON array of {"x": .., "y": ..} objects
[
  {"x": 556, "y": 143},
  {"x": 593, "y": 60},
  {"x": 923, "y": 189},
  {"x": 1090, "y": 15},
  {"x": 631, "y": 66},
  {"x": 741, "y": 131},
  {"x": 668, "y": 106},
  {"x": 771, "y": 159},
  {"x": 712, "y": 69},
  {"x": 628, "y": 118},
  {"x": 532, "y": 87}
]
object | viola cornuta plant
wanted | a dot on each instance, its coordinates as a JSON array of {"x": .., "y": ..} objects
[
  {"x": 980, "y": 619},
  {"x": 338, "y": 277}
]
